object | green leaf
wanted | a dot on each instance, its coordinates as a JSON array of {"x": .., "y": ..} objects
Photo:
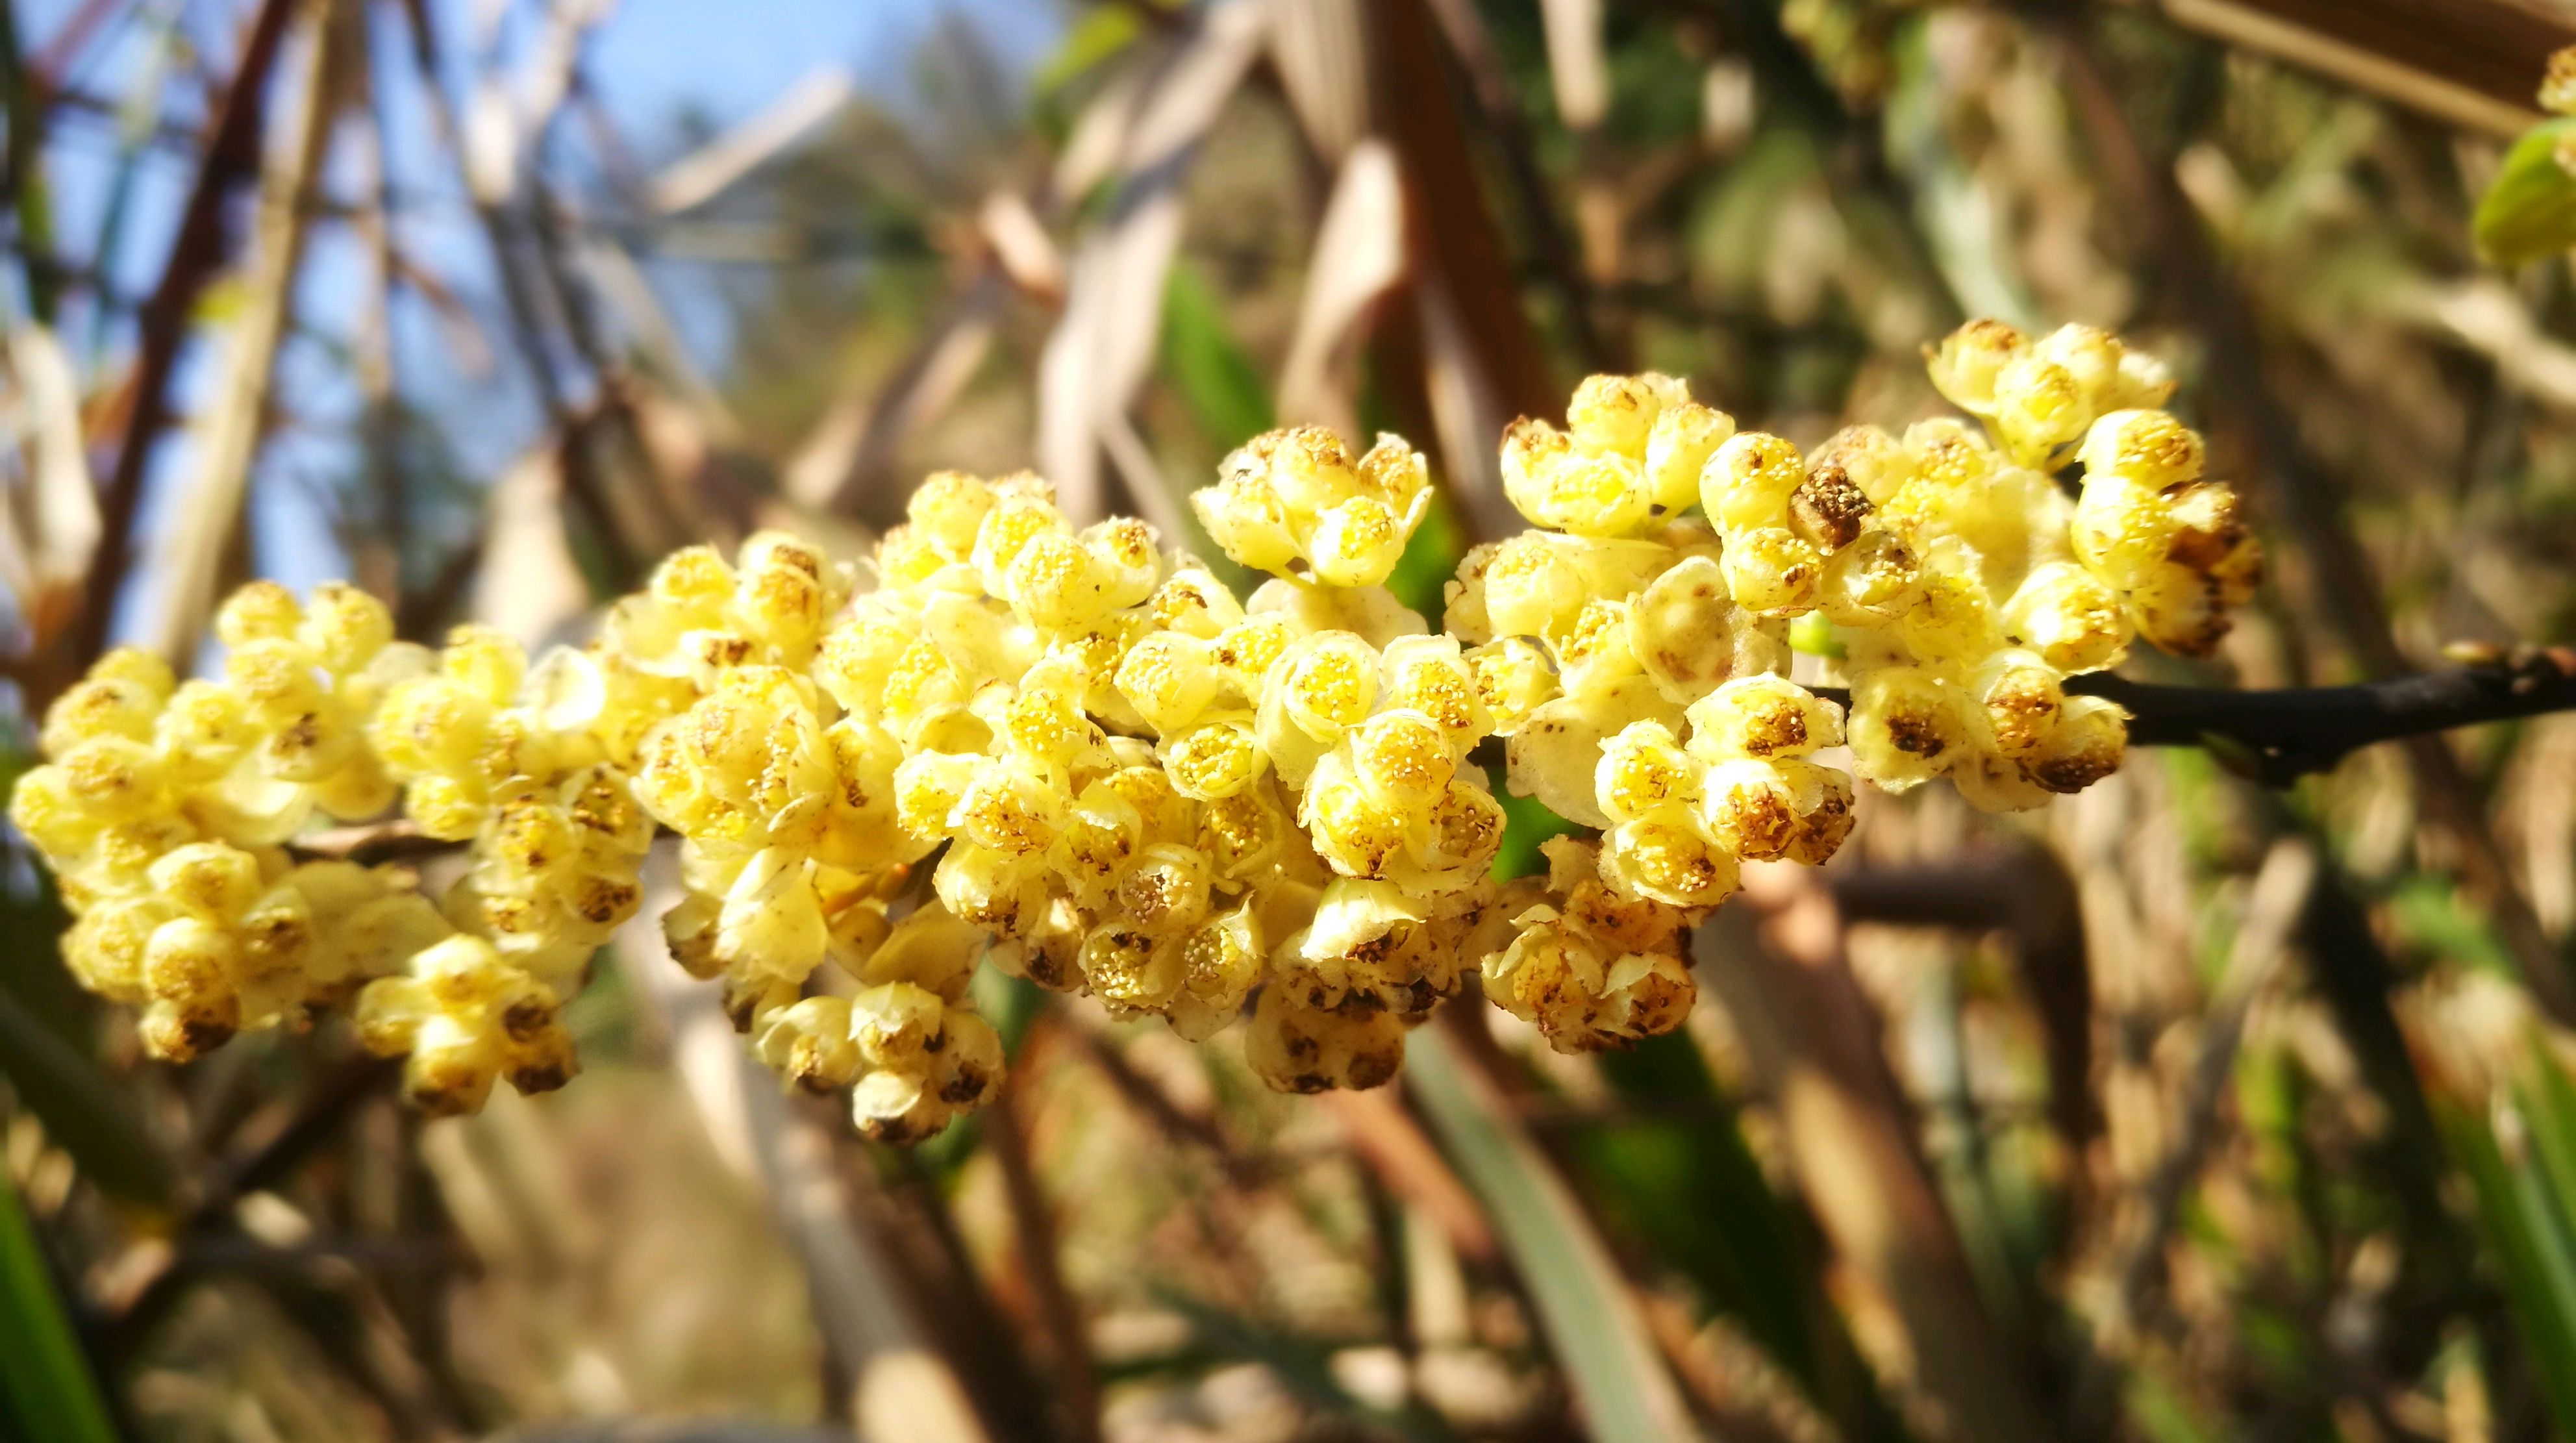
[
  {"x": 32, "y": 923},
  {"x": 2530, "y": 211},
  {"x": 1101, "y": 33},
  {"x": 2429, "y": 913},
  {"x": 1207, "y": 368},
  {"x": 2534, "y": 1245},
  {"x": 2162, "y": 1415},
  {"x": 1527, "y": 822},
  {"x": 2547, "y": 1100},
  {"x": 46, "y": 1389},
  {"x": 1812, "y": 635},
  {"x": 83, "y": 1109},
  {"x": 1009, "y": 1003},
  {"x": 1431, "y": 555},
  {"x": 1694, "y": 1193},
  {"x": 1583, "y": 1303}
]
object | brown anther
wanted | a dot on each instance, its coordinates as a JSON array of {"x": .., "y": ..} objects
[
  {"x": 540, "y": 1076},
  {"x": 1915, "y": 736},
  {"x": 526, "y": 1019},
  {"x": 1827, "y": 510}
]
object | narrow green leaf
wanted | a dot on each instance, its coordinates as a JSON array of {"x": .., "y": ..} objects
[
  {"x": 2162, "y": 1415},
  {"x": 1583, "y": 1303},
  {"x": 46, "y": 1389},
  {"x": 25, "y": 162},
  {"x": 2547, "y": 1101},
  {"x": 1696, "y": 1195},
  {"x": 32, "y": 924},
  {"x": 2534, "y": 1248},
  {"x": 2429, "y": 913},
  {"x": 1206, "y": 367},
  {"x": 2530, "y": 211},
  {"x": 83, "y": 1110},
  {"x": 1102, "y": 32}
]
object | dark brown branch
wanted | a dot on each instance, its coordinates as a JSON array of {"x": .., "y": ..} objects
[
  {"x": 1033, "y": 1230},
  {"x": 2289, "y": 733}
]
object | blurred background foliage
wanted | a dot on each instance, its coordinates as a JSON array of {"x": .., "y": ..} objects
[{"x": 2186, "y": 1110}]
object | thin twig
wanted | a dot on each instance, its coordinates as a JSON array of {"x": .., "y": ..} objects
[
  {"x": 1178, "y": 1123},
  {"x": 325, "y": 1112},
  {"x": 370, "y": 842},
  {"x": 572, "y": 422},
  {"x": 2294, "y": 731},
  {"x": 191, "y": 549},
  {"x": 197, "y": 253},
  {"x": 1033, "y": 1229},
  {"x": 56, "y": 57}
]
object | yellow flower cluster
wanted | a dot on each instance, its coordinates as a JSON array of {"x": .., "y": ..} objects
[
  {"x": 1151, "y": 791},
  {"x": 1124, "y": 780},
  {"x": 1636, "y": 657},
  {"x": 165, "y": 804},
  {"x": 2015, "y": 587}
]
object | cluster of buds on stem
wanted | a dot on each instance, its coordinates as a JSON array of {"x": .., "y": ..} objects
[{"x": 1124, "y": 780}]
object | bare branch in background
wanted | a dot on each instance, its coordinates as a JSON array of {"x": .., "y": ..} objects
[
  {"x": 69, "y": 37},
  {"x": 1499, "y": 108},
  {"x": 332, "y": 1099},
  {"x": 1358, "y": 258},
  {"x": 1103, "y": 346},
  {"x": 2303, "y": 496},
  {"x": 713, "y": 168},
  {"x": 853, "y": 451},
  {"x": 2027, "y": 893},
  {"x": 902, "y": 1387},
  {"x": 1776, "y": 959},
  {"x": 2470, "y": 63},
  {"x": 1033, "y": 1231},
  {"x": 206, "y": 515},
  {"x": 1481, "y": 357},
  {"x": 197, "y": 253}
]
